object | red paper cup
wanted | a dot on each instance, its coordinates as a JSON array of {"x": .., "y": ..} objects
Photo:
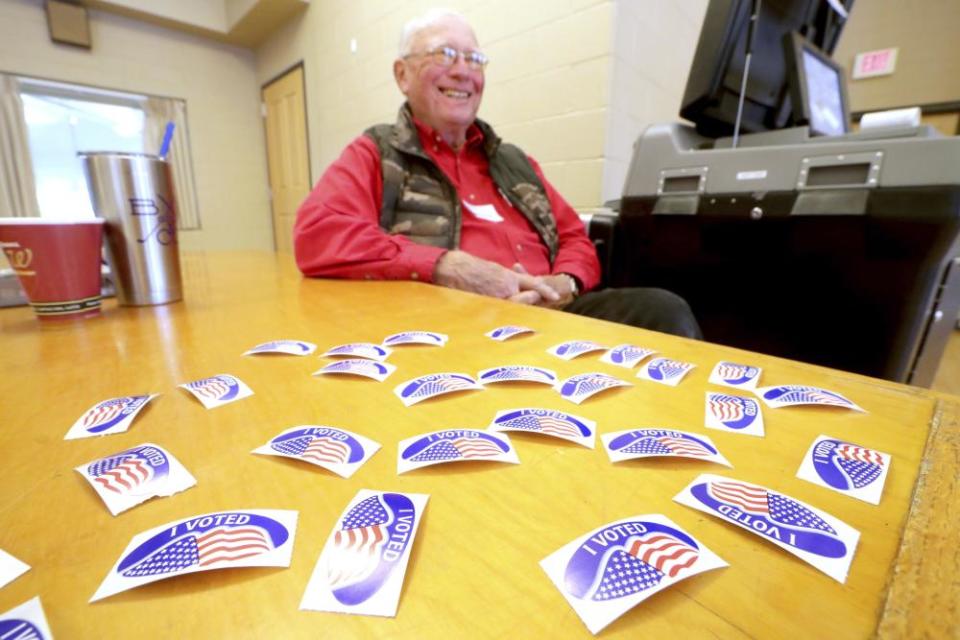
[{"x": 58, "y": 263}]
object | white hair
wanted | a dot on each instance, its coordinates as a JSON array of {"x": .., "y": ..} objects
[{"x": 425, "y": 21}]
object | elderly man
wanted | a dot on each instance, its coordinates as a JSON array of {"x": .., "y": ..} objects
[{"x": 437, "y": 197}]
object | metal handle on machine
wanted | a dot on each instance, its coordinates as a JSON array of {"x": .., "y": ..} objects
[{"x": 751, "y": 32}]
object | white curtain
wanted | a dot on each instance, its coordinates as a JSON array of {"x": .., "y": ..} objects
[
  {"x": 159, "y": 112},
  {"x": 18, "y": 193}
]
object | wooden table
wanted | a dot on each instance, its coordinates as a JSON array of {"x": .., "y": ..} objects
[{"x": 474, "y": 569}]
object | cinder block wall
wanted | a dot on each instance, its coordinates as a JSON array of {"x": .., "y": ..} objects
[
  {"x": 654, "y": 42},
  {"x": 571, "y": 81}
]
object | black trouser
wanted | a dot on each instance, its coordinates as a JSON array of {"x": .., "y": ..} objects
[{"x": 654, "y": 309}]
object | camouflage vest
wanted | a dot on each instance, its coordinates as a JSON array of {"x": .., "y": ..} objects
[{"x": 421, "y": 203}]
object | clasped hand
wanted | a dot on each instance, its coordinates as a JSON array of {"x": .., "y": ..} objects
[{"x": 460, "y": 270}]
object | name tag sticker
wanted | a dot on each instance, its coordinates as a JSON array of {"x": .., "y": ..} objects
[{"x": 483, "y": 211}]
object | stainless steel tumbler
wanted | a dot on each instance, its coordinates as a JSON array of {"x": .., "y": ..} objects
[{"x": 134, "y": 194}]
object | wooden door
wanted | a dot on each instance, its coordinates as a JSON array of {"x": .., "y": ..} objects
[{"x": 287, "y": 156}]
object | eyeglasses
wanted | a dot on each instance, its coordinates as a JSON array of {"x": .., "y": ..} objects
[{"x": 447, "y": 57}]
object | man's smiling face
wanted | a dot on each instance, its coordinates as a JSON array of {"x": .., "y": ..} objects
[{"x": 445, "y": 98}]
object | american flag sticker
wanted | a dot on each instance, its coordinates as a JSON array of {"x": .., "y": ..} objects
[
  {"x": 289, "y": 347},
  {"x": 378, "y": 371},
  {"x": 733, "y": 414},
  {"x": 548, "y": 422},
  {"x": 416, "y": 337},
  {"x": 125, "y": 479},
  {"x": 25, "y": 622},
  {"x": 626, "y": 355},
  {"x": 738, "y": 376},
  {"x": 366, "y": 350},
  {"x": 454, "y": 445},
  {"x": 506, "y": 332},
  {"x": 218, "y": 390},
  {"x": 578, "y": 388},
  {"x": 10, "y": 569},
  {"x": 608, "y": 571},
  {"x": 665, "y": 371},
  {"x": 657, "y": 443},
  {"x": 108, "y": 417},
  {"x": 573, "y": 348},
  {"x": 517, "y": 373},
  {"x": 338, "y": 450},
  {"x": 222, "y": 540},
  {"x": 814, "y": 536},
  {"x": 791, "y": 395},
  {"x": 846, "y": 468},
  {"x": 435, "y": 384},
  {"x": 362, "y": 565}
]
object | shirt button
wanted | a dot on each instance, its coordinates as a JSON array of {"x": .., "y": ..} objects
[
  {"x": 436, "y": 148},
  {"x": 367, "y": 276},
  {"x": 519, "y": 248},
  {"x": 414, "y": 276}
]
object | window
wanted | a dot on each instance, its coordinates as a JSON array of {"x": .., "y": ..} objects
[{"x": 60, "y": 120}]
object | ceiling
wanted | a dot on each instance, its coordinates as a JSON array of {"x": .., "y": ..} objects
[{"x": 240, "y": 22}]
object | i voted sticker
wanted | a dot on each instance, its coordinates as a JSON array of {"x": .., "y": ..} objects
[
  {"x": 25, "y": 622},
  {"x": 289, "y": 347},
  {"x": 578, "y": 388},
  {"x": 626, "y": 355},
  {"x": 733, "y": 414},
  {"x": 606, "y": 572},
  {"x": 548, "y": 422},
  {"x": 573, "y": 348},
  {"x": 125, "y": 479},
  {"x": 814, "y": 536},
  {"x": 665, "y": 371},
  {"x": 517, "y": 373},
  {"x": 378, "y": 371},
  {"x": 366, "y": 350},
  {"x": 218, "y": 390},
  {"x": 10, "y": 568},
  {"x": 108, "y": 417},
  {"x": 222, "y": 540},
  {"x": 339, "y": 450},
  {"x": 454, "y": 445},
  {"x": 791, "y": 395},
  {"x": 648, "y": 443},
  {"x": 508, "y": 331},
  {"x": 416, "y": 337},
  {"x": 738, "y": 376},
  {"x": 363, "y": 564},
  {"x": 846, "y": 468},
  {"x": 425, "y": 387}
]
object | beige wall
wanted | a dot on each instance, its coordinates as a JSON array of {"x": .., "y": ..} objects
[
  {"x": 217, "y": 81},
  {"x": 550, "y": 83},
  {"x": 927, "y": 33},
  {"x": 654, "y": 42},
  {"x": 547, "y": 83}
]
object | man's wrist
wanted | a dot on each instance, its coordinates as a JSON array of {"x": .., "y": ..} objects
[{"x": 574, "y": 284}]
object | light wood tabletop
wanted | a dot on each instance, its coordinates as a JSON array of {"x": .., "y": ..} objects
[{"x": 474, "y": 569}]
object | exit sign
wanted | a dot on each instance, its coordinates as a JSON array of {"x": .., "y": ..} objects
[{"x": 881, "y": 62}]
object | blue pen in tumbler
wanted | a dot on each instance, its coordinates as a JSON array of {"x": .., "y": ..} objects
[{"x": 167, "y": 139}]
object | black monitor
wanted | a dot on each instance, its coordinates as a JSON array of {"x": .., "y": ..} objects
[
  {"x": 818, "y": 88},
  {"x": 713, "y": 86}
]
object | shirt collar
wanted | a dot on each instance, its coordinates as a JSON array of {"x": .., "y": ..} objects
[{"x": 428, "y": 133}]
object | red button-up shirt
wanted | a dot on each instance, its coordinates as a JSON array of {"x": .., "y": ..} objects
[{"x": 337, "y": 232}]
